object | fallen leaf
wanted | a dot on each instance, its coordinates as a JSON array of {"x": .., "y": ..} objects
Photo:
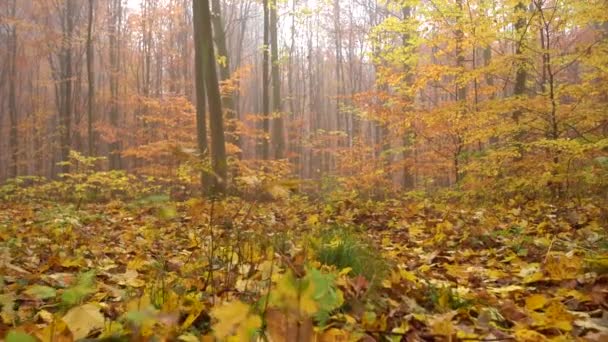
[{"x": 83, "y": 319}]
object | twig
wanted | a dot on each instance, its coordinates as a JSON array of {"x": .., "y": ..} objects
[{"x": 549, "y": 250}]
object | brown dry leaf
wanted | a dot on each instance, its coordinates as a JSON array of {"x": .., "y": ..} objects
[
  {"x": 283, "y": 326},
  {"x": 333, "y": 335}
]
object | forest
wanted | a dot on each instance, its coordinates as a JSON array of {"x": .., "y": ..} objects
[{"x": 303, "y": 170}]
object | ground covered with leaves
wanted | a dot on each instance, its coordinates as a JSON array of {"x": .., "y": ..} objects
[{"x": 300, "y": 269}]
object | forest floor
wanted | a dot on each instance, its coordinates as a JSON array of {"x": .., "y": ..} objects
[{"x": 297, "y": 269}]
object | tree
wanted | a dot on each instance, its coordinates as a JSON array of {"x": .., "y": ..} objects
[
  {"x": 90, "y": 78},
  {"x": 224, "y": 68},
  {"x": 114, "y": 32},
  {"x": 201, "y": 119},
  {"x": 64, "y": 77},
  {"x": 12, "y": 96},
  {"x": 277, "y": 126},
  {"x": 265, "y": 85},
  {"x": 219, "y": 165}
]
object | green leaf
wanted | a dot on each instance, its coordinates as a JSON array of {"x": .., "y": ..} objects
[
  {"x": 326, "y": 295},
  {"x": 41, "y": 292},
  {"x": 18, "y": 336},
  {"x": 84, "y": 287}
]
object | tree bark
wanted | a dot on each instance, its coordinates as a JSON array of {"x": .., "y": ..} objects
[
  {"x": 520, "y": 74},
  {"x": 90, "y": 78},
  {"x": 12, "y": 98},
  {"x": 224, "y": 68},
  {"x": 201, "y": 119},
  {"x": 277, "y": 126},
  {"x": 65, "y": 118},
  {"x": 265, "y": 87},
  {"x": 216, "y": 122},
  {"x": 115, "y": 23}
]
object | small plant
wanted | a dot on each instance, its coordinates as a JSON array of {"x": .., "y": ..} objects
[{"x": 344, "y": 248}]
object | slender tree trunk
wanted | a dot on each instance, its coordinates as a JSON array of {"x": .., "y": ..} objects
[
  {"x": 90, "y": 78},
  {"x": 224, "y": 67},
  {"x": 12, "y": 98},
  {"x": 520, "y": 74},
  {"x": 216, "y": 122},
  {"x": 185, "y": 50},
  {"x": 115, "y": 159},
  {"x": 265, "y": 86},
  {"x": 461, "y": 90},
  {"x": 65, "y": 122},
  {"x": 294, "y": 143},
  {"x": 277, "y": 126},
  {"x": 339, "y": 68},
  {"x": 201, "y": 120},
  {"x": 408, "y": 177}
]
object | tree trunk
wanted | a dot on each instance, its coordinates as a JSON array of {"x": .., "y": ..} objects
[
  {"x": 216, "y": 122},
  {"x": 201, "y": 120},
  {"x": 65, "y": 119},
  {"x": 12, "y": 98},
  {"x": 224, "y": 67},
  {"x": 265, "y": 86},
  {"x": 277, "y": 127},
  {"x": 90, "y": 78},
  {"x": 115, "y": 159},
  {"x": 461, "y": 90},
  {"x": 521, "y": 74},
  {"x": 408, "y": 140}
]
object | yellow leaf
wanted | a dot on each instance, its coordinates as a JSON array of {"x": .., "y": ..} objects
[
  {"x": 536, "y": 302},
  {"x": 313, "y": 220},
  {"x": 53, "y": 331},
  {"x": 249, "y": 327},
  {"x": 308, "y": 304},
  {"x": 188, "y": 338},
  {"x": 234, "y": 319},
  {"x": 407, "y": 275},
  {"x": 195, "y": 310},
  {"x": 555, "y": 316},
  {"x": 442, "y": 324},
  {"x": 333, "y": 335},
  {"x": 345, "y": 271},
  {"x": 561, "y": 266},
  {"x": 83, "y": 319},
  {"x": 525, "y": 335}
]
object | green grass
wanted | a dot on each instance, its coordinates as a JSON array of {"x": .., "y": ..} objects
[{"x": 344, "y": 248}]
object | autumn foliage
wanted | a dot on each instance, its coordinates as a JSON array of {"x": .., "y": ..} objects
[{"x": 336, "y": 170}]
